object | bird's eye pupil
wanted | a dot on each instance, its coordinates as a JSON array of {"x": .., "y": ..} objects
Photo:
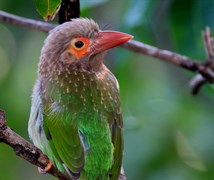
[{"x": 79, "y": 44}]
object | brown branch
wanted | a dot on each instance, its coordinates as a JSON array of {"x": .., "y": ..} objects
[
  {"x": 25, "y": 22},
  {"x": 198, "y": 81},
  {"x": 182, "y": 61},
  {"x": 24, "y": 149},
  {"x": 163, "y": 55},
  {"x": 132, "y": 45}
]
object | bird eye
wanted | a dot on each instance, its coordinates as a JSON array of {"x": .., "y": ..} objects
[{"x": 79, "y": 44}]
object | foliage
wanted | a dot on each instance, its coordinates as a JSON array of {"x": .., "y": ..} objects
[
  {"x": 168, "y": 133},
  {"x": 47, "y": 8}
]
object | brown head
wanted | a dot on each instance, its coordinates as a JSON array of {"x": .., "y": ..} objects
[{"x": 77, "y": 41}]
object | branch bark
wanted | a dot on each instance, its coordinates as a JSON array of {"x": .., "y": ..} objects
[
  {"x": 198, "y": 81},
  {"x": 204, "y": 69},
  {"x": 25, "y": 149},
  {"x": 25, "y": 22}
]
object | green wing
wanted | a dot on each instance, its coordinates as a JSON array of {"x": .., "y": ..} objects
[
  {"x": 117, "y": 140},
  {"x": 116, "y": 124},
  {"x": 64, "y": 141}
]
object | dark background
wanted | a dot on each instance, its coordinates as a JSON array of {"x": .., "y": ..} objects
[{"x": 168, "y": 132}]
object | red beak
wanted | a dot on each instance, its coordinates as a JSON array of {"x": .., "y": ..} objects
[{"x": 109, "y": 39}]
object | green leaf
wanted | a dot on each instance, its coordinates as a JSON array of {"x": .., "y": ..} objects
[{"x": 47, "y": 8}]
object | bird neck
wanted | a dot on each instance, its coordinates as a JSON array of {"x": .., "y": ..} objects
[{"x": 96, "y": 61}]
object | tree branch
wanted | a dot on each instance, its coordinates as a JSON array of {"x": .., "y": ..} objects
[
  {"x": 25, "y": 22},
  {"x": 198, "y": 81},
  {"x": 204, "y": 69},
  {"x": 25, "y": 149}
]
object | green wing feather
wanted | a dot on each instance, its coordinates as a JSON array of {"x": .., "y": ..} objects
[
  {"x": 117, "y": 140},
  {"x": 64, "y": 140},
  {"x": 116, "y": 124}
]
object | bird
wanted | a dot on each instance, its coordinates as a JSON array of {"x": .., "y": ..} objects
[{"x": 76, "y": 116}]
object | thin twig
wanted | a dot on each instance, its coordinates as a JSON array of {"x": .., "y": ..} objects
[
  {"x": 24, "y": 149},
  {"x": 208, "y": 43},
  {"x": 198, "y": 81},
  {"x": 196, "y": 84}
]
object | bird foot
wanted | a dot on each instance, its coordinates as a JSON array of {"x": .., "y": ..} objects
[{"x": 46, "y": 169}]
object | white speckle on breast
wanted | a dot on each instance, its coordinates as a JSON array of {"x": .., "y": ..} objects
[
  {"x": 95, "y": 108},
  {"x": 67, "y": 90}
]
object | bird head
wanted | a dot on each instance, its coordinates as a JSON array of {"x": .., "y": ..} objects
[{"x": 78, "y": 40}]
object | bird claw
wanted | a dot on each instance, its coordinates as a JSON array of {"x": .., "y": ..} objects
[
  {"x": 41, "y": 171},
  {"x": 46, "y": 169}
]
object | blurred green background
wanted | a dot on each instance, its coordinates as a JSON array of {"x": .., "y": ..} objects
[{"x": 169, "y": 134}]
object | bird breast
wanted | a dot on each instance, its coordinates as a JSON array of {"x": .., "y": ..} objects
[{"x": 80, "y": 88}]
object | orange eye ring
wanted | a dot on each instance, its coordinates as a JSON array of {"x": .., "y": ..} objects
[
  {"x": 80, "y": 43},
  {"x": 79, "y": 46}
]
